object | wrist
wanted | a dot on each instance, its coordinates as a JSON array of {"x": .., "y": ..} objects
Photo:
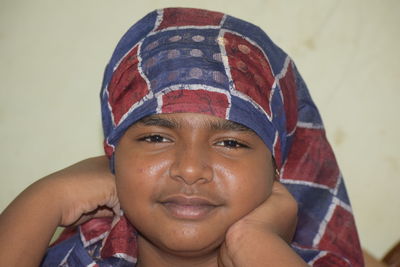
[
  {"x": 244, "y": 235},
  {"x": 259, "y": 246},
  {"x": 46, "y": 198}
]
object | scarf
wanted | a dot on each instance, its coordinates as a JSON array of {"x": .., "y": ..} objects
[{"x": 190, "y": 60}]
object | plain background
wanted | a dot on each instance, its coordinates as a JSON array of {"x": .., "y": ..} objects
[{"x": 52, "y": 56}]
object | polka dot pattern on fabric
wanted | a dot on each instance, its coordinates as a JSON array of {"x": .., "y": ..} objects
[
  {"x": 175, "y": 38},
  {"x": 242, "y": 66},
  {"x": 152, "y": 45},
  {"x": 174, "y": 53},
  {"x": 219, "y": 77},
  {"x": 196, "y": 53},
  {"x": 150, "y": 62},
  {"x": 195, "y": 73},
  {"x": 244, "y": 49},
  {"x": 260, "y": 81},
  {"x": 198, "y": 38},
  {"x": 217, "y": 57},
  {"x": 173, "y": 75}
]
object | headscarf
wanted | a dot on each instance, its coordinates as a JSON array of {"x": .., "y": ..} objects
[{"x": 190, "y": 60}]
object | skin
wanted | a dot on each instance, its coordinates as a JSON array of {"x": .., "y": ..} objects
[
  {"x": 250, "y": 221},
  {"x": 190, "y": 155},
  {"x": 68, "y": 197}
]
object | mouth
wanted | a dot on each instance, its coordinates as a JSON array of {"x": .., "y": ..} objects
[{"x": 188, "y": 208}]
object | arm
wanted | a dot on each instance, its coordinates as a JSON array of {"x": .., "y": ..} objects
[
  {"x": 262, "y": 237},
  {"x": 70, "y": 196}
]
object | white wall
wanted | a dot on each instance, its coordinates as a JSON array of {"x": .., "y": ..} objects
[{"x": 52, "y": 55}]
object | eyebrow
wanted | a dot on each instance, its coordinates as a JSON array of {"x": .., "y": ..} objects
[
  {"x": 227, "y": 125},
  {"x": 220, "y": 125},
  {"x": 155, "y": 120}
]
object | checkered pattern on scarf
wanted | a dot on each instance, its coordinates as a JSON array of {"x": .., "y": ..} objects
[{"x": 191, "y": 60}]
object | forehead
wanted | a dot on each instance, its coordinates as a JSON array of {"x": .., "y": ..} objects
[{"x": 191, "y": 120}]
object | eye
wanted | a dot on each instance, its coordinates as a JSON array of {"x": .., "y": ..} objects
[
  {"x": 154, "y": 139},
  {"x": 232, "y": 144}
]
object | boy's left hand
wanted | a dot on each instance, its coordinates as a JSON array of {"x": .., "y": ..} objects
[{"x": 262, "y": 236}]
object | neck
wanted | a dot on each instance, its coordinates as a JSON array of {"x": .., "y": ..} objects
[{"x": 149, "y": 255}]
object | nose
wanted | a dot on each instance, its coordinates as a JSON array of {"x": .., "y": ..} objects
[{"x": 191, "y": 165}]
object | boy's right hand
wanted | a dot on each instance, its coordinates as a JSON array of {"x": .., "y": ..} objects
[
  {"x": 85, "y": 190},
  {"x": 68, "y": 197}
]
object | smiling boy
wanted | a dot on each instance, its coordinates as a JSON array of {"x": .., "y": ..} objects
[
  {"x": 201, "y": 112},
  {"x": 199, "y": 175}
]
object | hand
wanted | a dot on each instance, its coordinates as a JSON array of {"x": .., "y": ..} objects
[
  {"x": 86, "y": 190},
  {"x": 261, "y": 238},
  {"x": 278, "y": 214},
  {"x": 68, "y": 197}
]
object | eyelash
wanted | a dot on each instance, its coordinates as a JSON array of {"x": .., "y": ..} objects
[
  {"x": 228, "y": 143},
  {"x": 231, "y": 144},
  {"x": 155, "y": 138}
]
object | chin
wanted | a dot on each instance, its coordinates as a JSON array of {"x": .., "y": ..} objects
[
  {"x": 189, "y": 241},
  {"x": 192, "y": 248}
]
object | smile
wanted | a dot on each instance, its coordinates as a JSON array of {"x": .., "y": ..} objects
[{"x": 188, "y": 208}]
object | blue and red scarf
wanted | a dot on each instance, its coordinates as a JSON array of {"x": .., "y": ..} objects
[{"x": 191, "y": 60}]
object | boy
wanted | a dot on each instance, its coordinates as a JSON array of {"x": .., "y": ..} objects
[{"x": 200, "y": 111}]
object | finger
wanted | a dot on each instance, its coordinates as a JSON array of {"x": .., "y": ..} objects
[
  {"x": 278, "y": 213},
  {"x": 98, "y": 213},
  {"x": 281, "y": 197},
  {"x": 279, "y": 188},
  {"x": 117, "y": 210},
  {"x": 223, "y": 258}
]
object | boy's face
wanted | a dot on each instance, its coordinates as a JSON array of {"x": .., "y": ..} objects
[{"x": 183, "y": 179}]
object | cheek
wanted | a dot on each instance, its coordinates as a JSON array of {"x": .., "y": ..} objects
[
  {"x": 138, "y": 181},
  {"x": 246, "y": 185},
  {"x": 128, "y": 191}
]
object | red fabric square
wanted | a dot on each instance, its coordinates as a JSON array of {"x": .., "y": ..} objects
[
  {"x": 341, "y": 237},
  {"x": 121, "y": 239},
  {"x": 95, "y": 227},
  {"x": 195, "y": 101},
  {"x": 331, "y": 260},
  {"x": 127, "y": 86},
  {"x": 189, "y": 17},
  {"x": 311, "y": 158},
  {"x": 250, "y": 69}
]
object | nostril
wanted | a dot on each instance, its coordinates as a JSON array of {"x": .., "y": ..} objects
[{"x": 190, "y": 170}]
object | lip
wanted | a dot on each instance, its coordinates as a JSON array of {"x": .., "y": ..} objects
[{"x": 188, "y": 208}]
